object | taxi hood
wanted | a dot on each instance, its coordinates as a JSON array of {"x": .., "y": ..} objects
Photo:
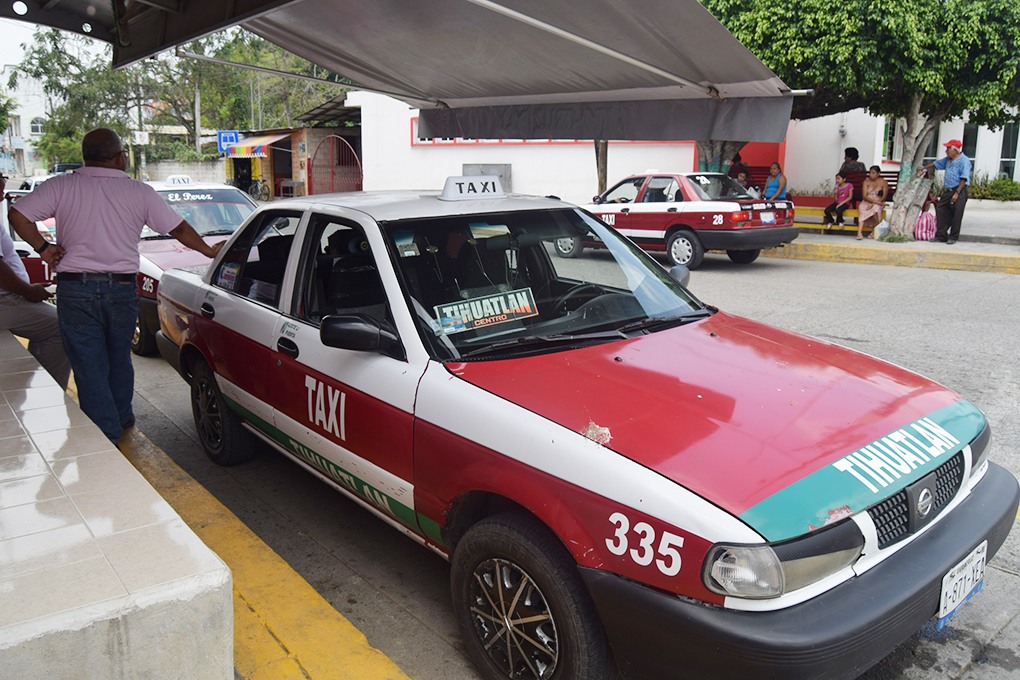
[
  {"x": 167, "y": 253},
  {"x": 753, "y": 418}
]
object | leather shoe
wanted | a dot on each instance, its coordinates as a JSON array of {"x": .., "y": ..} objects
[
  {"x": 940, "y": 239},
  {"x": 950, "y": 241}
]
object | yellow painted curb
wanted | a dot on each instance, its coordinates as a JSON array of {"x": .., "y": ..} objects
[
  {"x": 897, "y": 254},
  {"x": 282, "y": 627}
]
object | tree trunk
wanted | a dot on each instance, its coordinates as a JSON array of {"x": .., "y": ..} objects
[
  {"x": 716, "y": 155},
  {"x": 911, "y": 189}
]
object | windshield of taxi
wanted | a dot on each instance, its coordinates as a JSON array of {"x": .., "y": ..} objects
[
  {"x": 489, "y": 285},
  {"x": 212, "y": 212},
  {"x": 714, "y": 187}
]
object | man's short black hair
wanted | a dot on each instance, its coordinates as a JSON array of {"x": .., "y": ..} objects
[
  {"x": 851, "y": 153},
  {"x": 101, "y": 145}
]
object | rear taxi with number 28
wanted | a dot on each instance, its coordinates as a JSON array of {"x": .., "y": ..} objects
[{"x": 622, "y": 477}]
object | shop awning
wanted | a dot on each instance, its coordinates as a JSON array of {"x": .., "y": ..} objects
[{"x": 254, "y": 147}]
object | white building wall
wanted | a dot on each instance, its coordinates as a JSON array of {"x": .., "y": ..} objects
[
  {"x": 391, "y": 161},
  {"x": 30, "y": 103},
  {"x": 814, "y": 152}
]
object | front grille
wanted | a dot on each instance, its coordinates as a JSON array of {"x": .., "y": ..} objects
[{"x": 892, "y": 516}]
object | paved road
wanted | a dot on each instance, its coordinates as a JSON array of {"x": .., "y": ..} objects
[{"x": 959, "y": 328}]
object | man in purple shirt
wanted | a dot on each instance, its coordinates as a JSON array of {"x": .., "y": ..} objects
[{"x": 100, "y": 212}]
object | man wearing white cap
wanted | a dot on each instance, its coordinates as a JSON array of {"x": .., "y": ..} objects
[{"x": 949, "y": 210}]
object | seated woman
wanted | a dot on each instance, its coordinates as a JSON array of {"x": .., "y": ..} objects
[
  {"x": 842, "y": 194},
  {"x": 775, "y": 188},
  {"x": 875, "y": 189}
]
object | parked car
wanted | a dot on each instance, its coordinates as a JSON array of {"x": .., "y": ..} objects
[
  {"x": 214, "y": 210},
  {"x": 37, "y": 269},
  {"x": 618, "y": 473},
  {"x": 30, "y": 183},
  {"x": 686, "y": 214}
]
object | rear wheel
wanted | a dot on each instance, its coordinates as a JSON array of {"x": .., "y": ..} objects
[
  {"x": 683, "y": 247},
  {"x": 223, "y": 437},
  {"x": 143, "y": 343},
  {"x": 743, "y": 256},
  {"x": 522, "y": 605},
  {"x": 569, "y": 247}
]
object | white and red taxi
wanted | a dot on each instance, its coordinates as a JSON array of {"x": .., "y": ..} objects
[
  {"x": 618, "y": 473},
  {"x": 686, "y": 214},
  {"x": 214, "y": 210}
]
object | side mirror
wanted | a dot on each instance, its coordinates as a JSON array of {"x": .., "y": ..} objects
[
  {"x": 361, "y": 333},
  {"x": 681, "y": 274},
  {"x": 596, "y": 199}
]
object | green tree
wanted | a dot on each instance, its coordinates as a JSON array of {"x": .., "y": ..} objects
[
  {"x": 83, "y": 92},
  {"x": 923, "y": 61}
]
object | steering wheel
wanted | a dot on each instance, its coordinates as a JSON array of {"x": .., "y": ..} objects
[{"x": 560, "y": 306}]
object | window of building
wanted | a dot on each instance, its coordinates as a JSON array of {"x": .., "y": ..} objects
[
  {"x": 970, "y": 135},
  {"x": 892, "y": 146},
  {"x": 14, "y": 125},
  {"x": 933, "y": 151},
  {"x": 38, "y": 126},
  {"x": 1007, "y": 164}
]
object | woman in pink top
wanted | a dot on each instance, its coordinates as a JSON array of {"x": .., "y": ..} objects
[{"x": 842, "y": 193}]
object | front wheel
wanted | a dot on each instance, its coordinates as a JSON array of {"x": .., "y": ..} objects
[
  {"x": 683, "y": 247},
  {"x": 264, "y": 193},
  {"x": 522, "y": 605},
  {"x": 569, "y": 247},
  {"x": 143, "y": 342},
  {"x": 223, "y": 437},
  {"x": 743, "y": 256}
]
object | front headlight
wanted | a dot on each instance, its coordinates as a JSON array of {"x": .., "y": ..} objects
[
  {"x": 751, "y": 571},
  {"x": 764, "y": 571}
]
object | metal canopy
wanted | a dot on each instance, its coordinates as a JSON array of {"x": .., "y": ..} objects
[
  {"x": 332, "y": 111},
  {"x": 602, "y": 69}
]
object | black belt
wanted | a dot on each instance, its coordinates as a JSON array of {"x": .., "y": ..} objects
[{"x": 84, "y": 277}]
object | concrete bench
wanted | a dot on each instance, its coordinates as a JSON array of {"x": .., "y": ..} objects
[{"x": 99, "y": 576}]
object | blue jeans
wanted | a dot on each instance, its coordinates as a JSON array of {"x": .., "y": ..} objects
[{"x": 97, "y": 322}]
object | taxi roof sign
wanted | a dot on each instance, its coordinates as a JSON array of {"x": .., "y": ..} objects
[
  {"x": 178, "y": 179},
  {"x": 471, "y": 188}
]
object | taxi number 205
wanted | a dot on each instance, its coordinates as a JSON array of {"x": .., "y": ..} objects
[{"x": 643, "y": 535}]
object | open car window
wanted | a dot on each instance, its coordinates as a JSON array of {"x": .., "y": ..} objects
[
  {"x": 478, "y": 284},
  {"x": 713, "y": 187},
  {"x": 256, "y": 261},
  {"x": 624, "y": 192},
  {"x": 339, "y": 273}
]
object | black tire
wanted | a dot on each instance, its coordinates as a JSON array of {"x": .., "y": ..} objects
[
  {"x": 220, "y": 431},
  {"x": 743, "y": 256},
  {"x": 143, "y": 342},
  {"x": 683, "y": 247},
  {"x": 264, "y": 193},
  {"x": 516, "y": 552},
  {"x": 569, "y": 247}
]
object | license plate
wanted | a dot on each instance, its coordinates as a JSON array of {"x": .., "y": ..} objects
[
  {"x": 768, "y": 218},
  {"x": 962, "y": 581}
]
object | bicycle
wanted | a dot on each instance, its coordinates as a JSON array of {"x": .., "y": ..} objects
[{"x": 259, "y": 190}]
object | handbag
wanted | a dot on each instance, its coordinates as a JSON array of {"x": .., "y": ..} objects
[{"x": 924, "y": 230}]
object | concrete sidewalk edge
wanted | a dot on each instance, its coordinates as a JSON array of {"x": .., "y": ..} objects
[
  {"x": 282, "y": 627},
  {"x": 898, "y": 254}
]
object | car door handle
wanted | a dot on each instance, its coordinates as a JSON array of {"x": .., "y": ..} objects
[
  {"x": 207, "y": 310},
  {"x": 288, "y": 347},
  {"x": 670, "y": 209},
  {"x": 624, "y": 209}
]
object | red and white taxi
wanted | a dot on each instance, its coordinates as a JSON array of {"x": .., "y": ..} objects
[
  {"x": 214, "y": 210},
  {"x": 686, "y": 214},
  {"x": 619, "y": 474}
]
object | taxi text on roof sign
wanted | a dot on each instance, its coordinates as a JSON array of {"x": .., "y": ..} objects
[{"x": 469, "y": 188}]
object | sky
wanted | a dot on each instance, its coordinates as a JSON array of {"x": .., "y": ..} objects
[{"x": 12, "y": 34}]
